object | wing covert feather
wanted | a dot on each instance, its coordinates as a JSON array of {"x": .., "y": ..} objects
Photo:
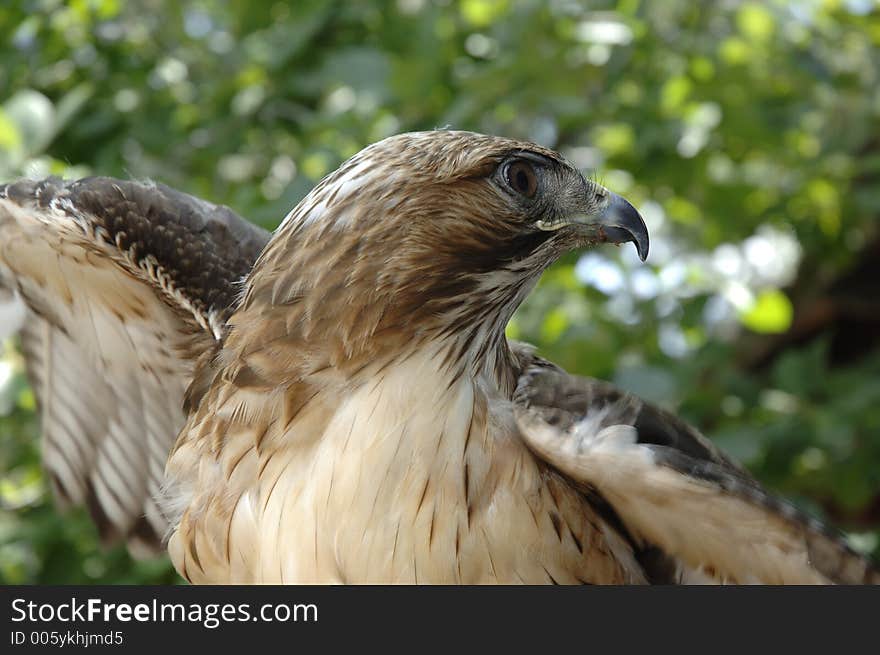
[
  {"x": 673, "y": 490},
  {"x": 120, "y": 286}
]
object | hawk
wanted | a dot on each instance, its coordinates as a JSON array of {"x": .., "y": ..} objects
[{"x": 338, "y": 402}]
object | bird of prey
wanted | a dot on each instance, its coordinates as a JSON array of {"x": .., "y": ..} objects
[{"x": 338, "y": 402}]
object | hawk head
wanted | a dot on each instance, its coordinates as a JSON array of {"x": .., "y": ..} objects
[{"x": 430, "y": 235}]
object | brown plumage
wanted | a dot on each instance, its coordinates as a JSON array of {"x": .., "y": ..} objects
[
  {"x": 357, "y": 414},
  {"x": 124, "y": 285}
]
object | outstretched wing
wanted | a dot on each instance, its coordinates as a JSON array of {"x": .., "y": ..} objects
[
  {"x": 674, "y": 492},
  {"x": 124, "y": 285}
]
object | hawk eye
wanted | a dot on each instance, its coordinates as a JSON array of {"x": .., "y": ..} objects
[{"x": 521, "y": 177}]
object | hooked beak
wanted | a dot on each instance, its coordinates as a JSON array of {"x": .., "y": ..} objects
[
  {"x": 617, "y": 222},
  {"x": 622, "y": 223}
]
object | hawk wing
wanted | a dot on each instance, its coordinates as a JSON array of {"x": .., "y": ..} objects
[
  {"x": 694, "y": 513},
  {"x": 124, "y": 285}
]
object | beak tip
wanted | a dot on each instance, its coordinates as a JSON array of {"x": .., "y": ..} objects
[{"x": 629, "y": 225}]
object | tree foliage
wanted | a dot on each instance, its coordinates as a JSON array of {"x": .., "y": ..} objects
[{"x": 746, "y": 132}]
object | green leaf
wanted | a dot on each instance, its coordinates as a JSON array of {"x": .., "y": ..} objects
[
  {"x": 755, "y": 22},
  {"x": 770, "y": 314},
  {"x": 481, "y": 13}
]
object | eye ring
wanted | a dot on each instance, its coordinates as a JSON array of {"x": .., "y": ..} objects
[{"x": 521, "y": 177}]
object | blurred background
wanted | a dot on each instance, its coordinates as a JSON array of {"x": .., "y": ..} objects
[{"x": 747, "y": 133}]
